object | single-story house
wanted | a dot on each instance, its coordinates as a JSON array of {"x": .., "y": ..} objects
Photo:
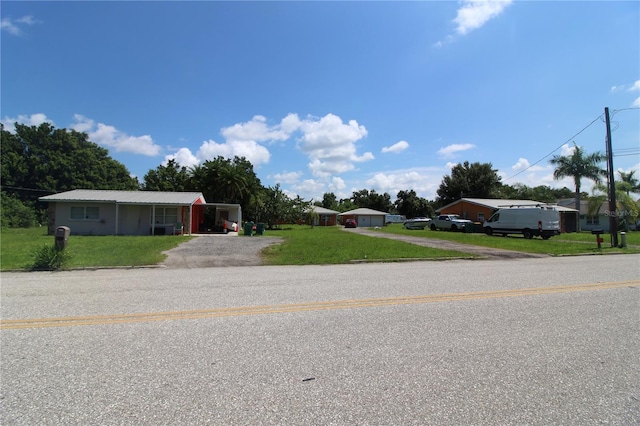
[
  {"x": 324, "y": 217},
  {"x": 107, "y": 212},
  {"x": 364, "y": 217},
  {"x": 590, "y": 220},
  {"x": 480, "y": 209}
]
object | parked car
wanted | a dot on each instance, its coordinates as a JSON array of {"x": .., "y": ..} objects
[
  {"x": 450, "y": 222},
  {"x": 350, "y": 223},
  {"x": 417, "y": 223}
]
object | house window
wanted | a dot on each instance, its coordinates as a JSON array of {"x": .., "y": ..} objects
[
  {"x": 84, "y": 213},
  {"x": 480, "y": 217},
  {"x": 167, "y": 215},
  {"x": 593, "y": 220}
]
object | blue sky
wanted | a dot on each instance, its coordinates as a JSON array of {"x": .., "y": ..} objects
[{"x": 331, "y": 96}]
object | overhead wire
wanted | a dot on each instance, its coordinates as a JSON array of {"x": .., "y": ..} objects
[{"x": 560, "y": 146}]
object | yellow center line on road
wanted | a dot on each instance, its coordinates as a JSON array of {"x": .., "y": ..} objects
[{"x": 301, "y": 307}]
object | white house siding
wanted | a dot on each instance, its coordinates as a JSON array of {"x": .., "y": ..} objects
[{"x": 104, "y": 224}]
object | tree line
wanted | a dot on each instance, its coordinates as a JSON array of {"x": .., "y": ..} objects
[{"x": 42, "y": 160}]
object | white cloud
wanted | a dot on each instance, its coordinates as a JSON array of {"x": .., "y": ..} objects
[
  {"x": 567, "y": 150},
  {"x": 255, "y": 130},
  {"x": 636, "y": 103},
  {"x": 331, "y": 144},
  {"x": 110, "y": 137},
  {"x": 15, "y": 27},
  {"x": 28, "y": 120},
  {"x": 451, "y": 150},
  {"x": 310, "y": 189},
  {"x": 184, "y": 157},
  {"x": 251, "y": 150},
  {"x": 522, "y": 164},
  {"x": 635, "y": 87},
  {"x": 473, "y": 14},
  {"x": 396, "y": 147},
  {"x": 287, "y": 177},
  {"x": 424, "y": 181}
]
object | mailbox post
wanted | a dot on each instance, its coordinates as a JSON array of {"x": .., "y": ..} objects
[
  {"x": 61, "y": 237},
  {"x": 597, "y": 233}
]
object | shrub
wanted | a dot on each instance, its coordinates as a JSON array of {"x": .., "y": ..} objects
[
  {"x": 50, "y": 258},
  {"x": 15, "y": 213}
]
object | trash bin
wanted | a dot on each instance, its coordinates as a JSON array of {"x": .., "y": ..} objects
[
  {"x": 61, "y": 237},
  {"x": 260, "y": 229},
  {"x": 248, "y": 229}
]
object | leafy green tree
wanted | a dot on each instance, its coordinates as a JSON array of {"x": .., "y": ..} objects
[
  {"x": 539, "y": 193},
  {"x": 329, "y": 201},
  {"x": 15, "y": 213},
  {"x": 476, "y": 180},
  {"x": 55, "y": 160},
  {"x": 410, "y": 205},
  {"x": 172, "y": 178},
  {"x": 222, "y": 180},
  {"x": 277, "y": 208},
  {"x": 578, "y": 166},
  {"x": 372, "y": 200}
]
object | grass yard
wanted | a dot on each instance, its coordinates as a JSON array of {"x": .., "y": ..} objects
[
  {"x": 564, "y": 244},
  {"x": 331, "y": 245},
  {"x": 18, "y": 248}
]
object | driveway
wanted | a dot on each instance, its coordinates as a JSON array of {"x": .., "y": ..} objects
[
  {"x": 233, "y": 250},
  {"x": 219, "y": 250},
  {"x": 484, "y": 252}
]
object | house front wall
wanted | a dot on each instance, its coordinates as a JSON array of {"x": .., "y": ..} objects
[
  {"x": 325, "y": 220},
  {"x": 466, "y": 210},
  {"x": 112, "y": 219},
  {"x": 84, "y": 218}
]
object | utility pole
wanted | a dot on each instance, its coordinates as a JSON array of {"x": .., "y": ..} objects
[{"x": 613, "y": 214}]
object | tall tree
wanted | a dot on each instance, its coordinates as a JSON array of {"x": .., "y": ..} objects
[
  {"x": 223, "y": 180},
  {"x": 476, "y": 180},
  {"x": 628, "y": 182},
  {"x": 329, "y": 201},
  {"x": 54, "y": 160},
  {"x": 410, "y": 205},
  {"x": 578, "y": 166},
  {"x": 372, "y": 200},
  {"x": 172, "y": 177}
]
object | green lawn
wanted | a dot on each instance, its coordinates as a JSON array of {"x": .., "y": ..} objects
[
  {"x": 18, "y": 248},
  {"x": 564, "y": 244},
  {"x": 302, "y": 245},
  {"x": 331, "y": 245}
]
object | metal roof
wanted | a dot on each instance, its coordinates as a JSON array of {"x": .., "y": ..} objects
[
  {"x": 364, "y": 212},
  {"x": 126, "y": 197},
  {"x": 502, "y": 203},
  {"x": 322, "y": 210}
]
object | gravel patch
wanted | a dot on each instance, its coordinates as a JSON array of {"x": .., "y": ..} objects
[{"x": 219, "y": 250}]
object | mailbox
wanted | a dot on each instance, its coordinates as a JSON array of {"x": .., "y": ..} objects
[
  {"x": 597, "y": 233},
  {"x": 62, "y": 236}
]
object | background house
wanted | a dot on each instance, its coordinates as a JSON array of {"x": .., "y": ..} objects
[
  {"x": 104, "y": 212},
  {"x": 324, "y": 217},
  {"x": 364, "y": 217},
  {"x": 480, "y": 209},
  {"x": 590, "y": 220}
]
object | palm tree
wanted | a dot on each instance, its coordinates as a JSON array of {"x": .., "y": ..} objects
[
  {"x": 578, "y": 166},
  {"x": 628, "y": 182}
]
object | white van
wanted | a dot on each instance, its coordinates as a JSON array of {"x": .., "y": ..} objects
[{"x": 542, "y": 220}]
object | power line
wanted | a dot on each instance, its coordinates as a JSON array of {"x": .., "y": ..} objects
[{"x": 563, "y": 143}]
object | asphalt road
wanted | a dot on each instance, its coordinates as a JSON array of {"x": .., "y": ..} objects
[{"x": 526, "y": 341}]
